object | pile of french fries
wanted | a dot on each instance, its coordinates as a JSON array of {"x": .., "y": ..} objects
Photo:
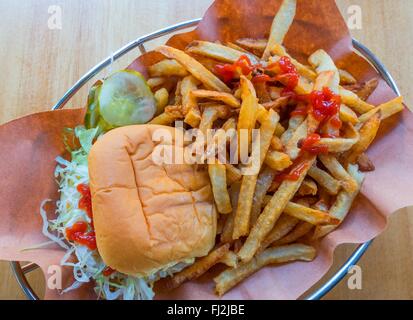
[{"x": 265, "y": 220}]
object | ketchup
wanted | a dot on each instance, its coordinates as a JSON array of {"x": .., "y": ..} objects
[
  {"x": 79, "y": 234},
  {"x": 293, "y": 174},
  {"x": 325, "y": 104},
  {"x": 79, "y": 231},
  {"x": 227, "y": 72},
  {"x": 309, "y": 144},
  {"x": 300, "y": 110},
  {"x": 289, "y": 73}
]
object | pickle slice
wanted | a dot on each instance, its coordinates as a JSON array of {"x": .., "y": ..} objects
[{"x": 126, "y": 99}]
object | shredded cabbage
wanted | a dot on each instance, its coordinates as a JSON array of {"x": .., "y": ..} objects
[{"x": 87, "y": 264}]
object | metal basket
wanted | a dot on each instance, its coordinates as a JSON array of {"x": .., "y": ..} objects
[{"x": 21, "y": 271}]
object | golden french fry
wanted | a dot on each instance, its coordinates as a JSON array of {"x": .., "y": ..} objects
[
  {"x": 293, "y": 124},
  {"x": 243, "y": 214},
  {"x": 365, "y": 164},
  {"x": 353, "y": 101},
  {"x": 167, "y": 68},
  {"x": 255, "y": 45},
  {"x": 226, "y": 235},
  {"x": 209, "y": 116},
  {"x": 273, "y": 210},
  {"x": 234, "y": 46},
  {"x": 188, "y": 84},
  {"x": 230, "y": 259},
  {"x": 291, "y": 147},
  {"x": 346, "y": 77},
  {"x": 276, "y": 144},
  {"x": 165, "y": 119},
  {"x": 386, "y": 109},
  {"x": 280, "y": 26},
  {"x": 218, "y": 51},
  {"x": 368, "y": 88},
  {"x": 197, "y": 269},
  {"x": 279, "y": 131},
  {"x": 338, "y": 172},
  {"x": 338, "y": 145},
  {"x": 277, "y": 160},
  {"x": 276, "y": 104},
  {"x": 322, "y": 62},
  {"x": 367, "y": 134},
  {"x": 231, "y": 277},
  {"x": 233, "y": 174},
  {"x": 343, "y": 203},
  {"x": 348, "y": 115},
  {"x": 283, "y": 226},
  {"x": 224, "y": 97},
  {"x": 304, "y": 213},
  {"x": 193, "y": 117},
  {"x": 300, "y": 230},
  {"x": 161, "y": 98},
  {"x": 249, "y": 107},
  {"x": 155, "y": 82},
  {"x": 303, "y": 70},
  {"x": 264, "y": 182},
  {"x": 195, "y": 68},
  {"x": 325, "y": 180},
  {"x": 308, "y": 188},
  {"x": 217, "y": 174}
]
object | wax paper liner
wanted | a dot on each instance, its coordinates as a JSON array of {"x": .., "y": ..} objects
[{"x": 30, "y": 145}]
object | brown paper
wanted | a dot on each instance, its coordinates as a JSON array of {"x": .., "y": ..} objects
[{"x": 31, "y": 144}]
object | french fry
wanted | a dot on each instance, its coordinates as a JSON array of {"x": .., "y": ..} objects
[
  {"x": 230, "y": 259},
  {"x": 367, "y": 134},
  {"x": 264, "y": 182},
  {"x": 248, "y": 112},
  {"x": 277, "y": 160},
  {"x": 195, "y": 68},
  {"x": 167, "y": 68},
  {"x": 368, "y": 88},
  {"x": 243, "y": 214},
  {"x": 322, "y": 62},
  {"x": 165, "y": 119},
  {"x": 272, "y": 212},
  {"x": 348, "y": 115},
  {"x": 226, "y": 235},
  {"x": 303, "y": 70},
  {"x": 224, "y": 97},
  {"x": 218, "y": 51},
  {"x": 193, "y": 117},
  {"x": 231, "y": 277},
  {"x": 300, "y": 230},
  {"x": 337, "y": 145},
  {"x": 190, "y": 107},
  {"x": 325, "y": 180},
  {"x": 365, "y": 164},
  {"x": 209, "y": 116},
  {"x": 353, "y": 101},
  {"x": 308, "y": 188},
  {"x": 279, "y": 131},
  {"x": 304, "y": 213},
  {"x": 346, "y": 77},
  {"x": 217, "y": 174},
  {"x": 283, "y": 226},
  {"x": 155, "y": 82},
  {"x": 293, "y": 124},
  {"x": 291, "y": 147},
  {"x": 276, "y": 144},
  {"x": 280, "y": 26},
  {"x": 161, "y": 98},
  {"x": 343, "y": 203},
  {"x": 233, "y": 174},
  {"x": 220, "y": 223},
  {"x": 254, "y": 45},
  {"x": 386, "y": 109},
  {"x": 234, "y": 46},
  {"x": 197, "y": 269},
  {"x": 276, "y": 104},
  {"x": 338, "y": 172}
]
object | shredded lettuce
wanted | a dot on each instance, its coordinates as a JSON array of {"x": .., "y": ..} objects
[{"x": 87, "y": 264}]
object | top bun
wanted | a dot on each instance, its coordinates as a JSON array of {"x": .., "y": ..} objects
[{"x": 147, "y": 216}]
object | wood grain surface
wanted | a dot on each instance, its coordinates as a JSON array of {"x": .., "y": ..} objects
[{"x": 38, "y": 65}]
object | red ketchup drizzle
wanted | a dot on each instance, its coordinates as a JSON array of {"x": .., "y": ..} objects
[
  {"x": 325, "y": 104},
  {"x": 108, "y": 271},
  {"x": 309, "y": 145},
  {"x": 293, "y": 174},
  {"x": 79, "y": 231},
  {"x": 227, "y": 72}
]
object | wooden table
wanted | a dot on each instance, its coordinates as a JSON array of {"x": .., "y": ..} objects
[{"x": 38, "y": 65}]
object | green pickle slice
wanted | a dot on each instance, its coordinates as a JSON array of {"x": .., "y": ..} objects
[{"x": 126, "y": 99}]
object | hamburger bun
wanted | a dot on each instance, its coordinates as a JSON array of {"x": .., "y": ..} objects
[{"x": 147, "y": 216}]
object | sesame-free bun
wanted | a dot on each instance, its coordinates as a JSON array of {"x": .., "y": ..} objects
[{"x": 147, "y": 216}]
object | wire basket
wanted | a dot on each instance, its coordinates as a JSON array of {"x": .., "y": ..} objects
[{"x": 21, "y": 271}]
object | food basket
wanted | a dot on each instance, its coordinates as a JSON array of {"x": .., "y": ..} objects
[{"x": 21, "y": 271}]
